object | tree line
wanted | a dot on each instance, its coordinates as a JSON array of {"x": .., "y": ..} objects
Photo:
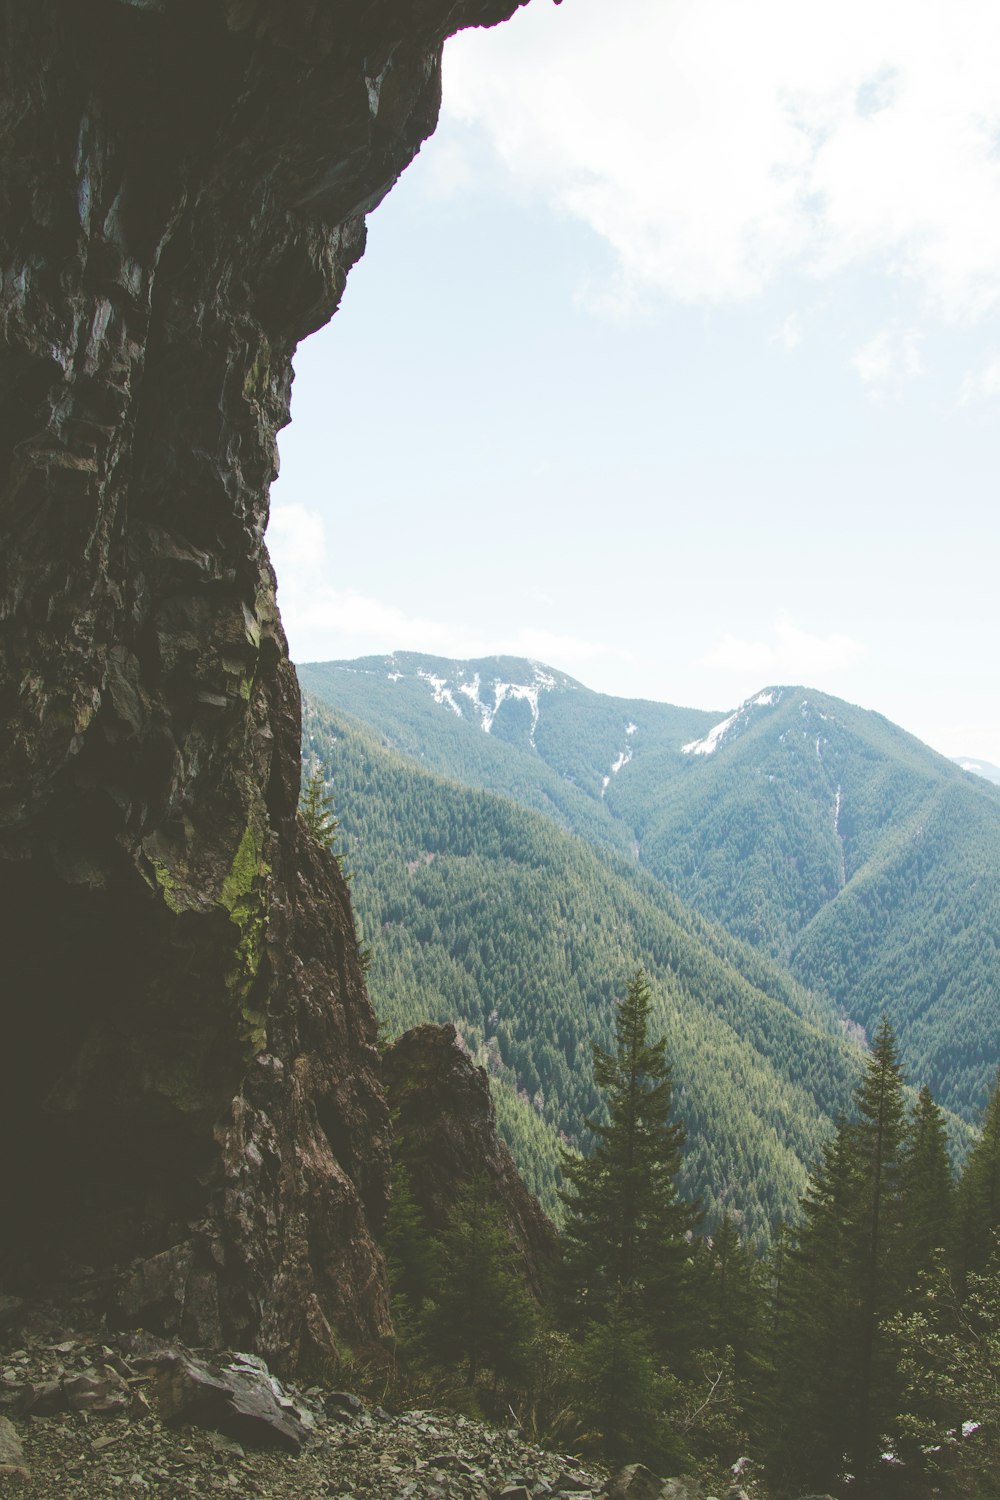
[{"x": 861, "y": 1354}]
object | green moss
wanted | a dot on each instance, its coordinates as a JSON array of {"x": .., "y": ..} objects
[
  {"x": 247, "y": 865},
  {"x": 256, "y": 378},
  {"x": 246, "y": 897},
  {"x": 169, "y": 885}
]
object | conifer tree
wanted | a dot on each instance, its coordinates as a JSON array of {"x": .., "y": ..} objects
[
  {"x": 927, "y": 1191},
  {"x": 316, "y": 810},
  {"x": 727, "y": 1282},
  {"x": 484, "y": 1316},
  {"x": 979, "y": 1193},
  {"x": 814, "y": 1314},
  {"x": 622, "y": 1395},
  {"x": 413, "y": 1255},
  {"x": 836, "y": 1375},
  {"x": 877, "y": 1139},
  {"x": 626, "y": 1227}
]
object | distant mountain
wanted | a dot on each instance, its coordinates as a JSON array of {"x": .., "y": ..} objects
[
  {"x": 488, "y": 915},
  {"x": 978, "y": 767},
  {"x": 507, "y": 725},
  {"x": 821, "y": 833}
]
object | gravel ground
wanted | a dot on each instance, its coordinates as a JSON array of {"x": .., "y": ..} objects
[
  {"x": 414, "y": 1456},
  {"x": 354, "y": 1451}
]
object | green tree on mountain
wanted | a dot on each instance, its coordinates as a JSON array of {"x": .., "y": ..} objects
[
  {"x": 979, "y": 1193},
  {"x": 484, "y": 1317},
  {"x": 837, "y": 1378},
  {"x": 814, "y": 1313},
  {"x": 316, "y": 810},
  {"x": 947, "y": 1345},
  {"x": 927, "y": 1191},
  {"x": 626, "y": 1225},
  {"x": 622, "y": 1394},
  {"x": 878, "y": 1140}
]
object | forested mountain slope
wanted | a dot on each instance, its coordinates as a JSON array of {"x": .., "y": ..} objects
[
  {"x": 482, "y": 913},
  {"x": 838, "y": 843},
  {"x": 507, "y": 725},
  {"x": 820, "y": 833}
]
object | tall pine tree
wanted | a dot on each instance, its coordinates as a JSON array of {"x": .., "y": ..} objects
[
  {"x": 626, "y": 1227},
  {"x": 927, "y": 1191},
  {"x": 316, "y": 811},
  {"x": 979, "y": 1193},
  {"x": 836, "y": 1379},
  {"x": 878, "y": 1139},
  {"x": 483, "y": 1316}
]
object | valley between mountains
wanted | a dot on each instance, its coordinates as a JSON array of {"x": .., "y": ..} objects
[{"x": 784, "y": 872}]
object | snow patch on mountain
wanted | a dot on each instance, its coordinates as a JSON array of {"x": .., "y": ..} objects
[
  {"x": 838, "y": 803},
  {"x": 623, "y": 758},
  {"x": 442, "y": 692},
  {"x": 736, "y": 720},
  {"x": 486, "y": 699}
]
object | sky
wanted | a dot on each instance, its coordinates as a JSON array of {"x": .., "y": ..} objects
[{"x": 674, "y": 362}]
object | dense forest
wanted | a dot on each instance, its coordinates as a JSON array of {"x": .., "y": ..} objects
[
  {"x": 768, "y": 1266},
  {"x": 478, "y": 912},
  {"x": 857, "y": 1356},
  {"x": 849, "y": 853}
]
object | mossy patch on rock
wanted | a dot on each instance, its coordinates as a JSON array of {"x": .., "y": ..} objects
[
  {"x": 246, "y": 897},
  {"x": 169, "y": 885}
]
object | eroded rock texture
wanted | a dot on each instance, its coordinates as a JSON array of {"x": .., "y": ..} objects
[
  {"x": 190, "y": 1079},
  {"x": 447, "y": 1133}
]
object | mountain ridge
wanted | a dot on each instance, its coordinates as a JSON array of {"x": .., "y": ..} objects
[
  {"x": 790, "y": 820},
  {"x": 483, "y": 914}
]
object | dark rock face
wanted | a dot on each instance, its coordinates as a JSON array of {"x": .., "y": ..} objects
[
  {"x": 192, "y": 1081},
  {"x": 447, "y": 1131}
]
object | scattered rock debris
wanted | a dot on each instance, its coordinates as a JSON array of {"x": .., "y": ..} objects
[{"x": 92, "y": 1415}]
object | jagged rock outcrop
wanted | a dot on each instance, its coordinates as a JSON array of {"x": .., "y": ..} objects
[
  {"x": 191, "y": 1075},
  {"x": 447, "y": 1133}
]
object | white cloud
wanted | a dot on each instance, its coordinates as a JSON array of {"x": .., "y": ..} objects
[
  {"x": 888, "y": 359},
  {"x": 713, "y": 143},
  {"x": 324, "y": 622},
  {"x": 981, "y": 385},
  {"x": 789, "y": 655},
  {"x": 559, "y": 650},
  {"x": 297, "y": 536},
  {"x": 789, "y": 335},
  {"x": 448, "y": 170}
]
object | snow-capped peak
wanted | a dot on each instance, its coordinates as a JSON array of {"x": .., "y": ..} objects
[{"x": 738, "y": 719}]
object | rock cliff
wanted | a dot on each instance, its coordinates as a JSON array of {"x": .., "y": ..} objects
[
  {"x": 447, "y": 1133},
  {"x": 191, "y": 1077}
]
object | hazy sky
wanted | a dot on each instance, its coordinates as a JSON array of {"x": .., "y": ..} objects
[{"x": 674, "y": 362}]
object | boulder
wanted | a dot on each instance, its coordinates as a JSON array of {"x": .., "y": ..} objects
[
  {"x": 11, "y": 1451},
  {"x": 681, "y": 1487},
  {"x": 241, "y": 1400},
  {"x": 635, "y": 1482},
  {"x": 100, "y": 1390}
]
